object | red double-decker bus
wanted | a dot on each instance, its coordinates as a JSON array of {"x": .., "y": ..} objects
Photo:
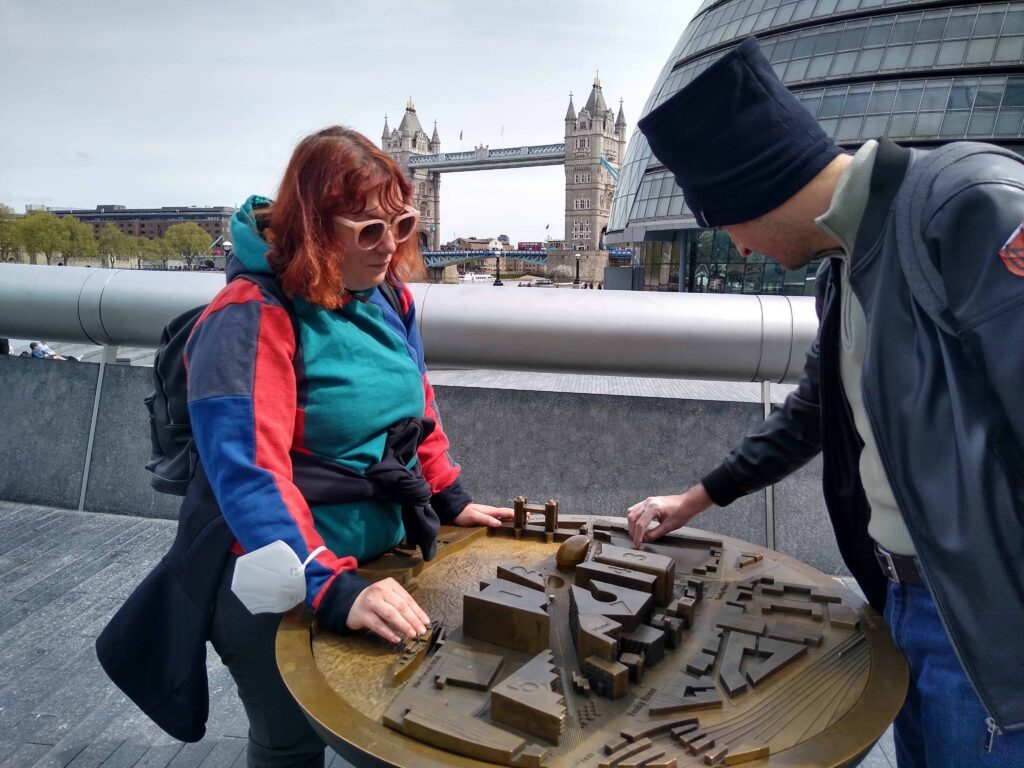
[{"x": 524, "y": 246}]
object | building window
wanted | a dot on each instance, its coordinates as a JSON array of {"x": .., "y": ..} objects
[
  {"x": 706, "y": 261},
  {"x": 580, "y": 229}
]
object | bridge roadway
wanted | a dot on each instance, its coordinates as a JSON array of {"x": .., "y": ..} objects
[
  {"x": 486, "y": 159},
  {"x": 444, "y": 258}
]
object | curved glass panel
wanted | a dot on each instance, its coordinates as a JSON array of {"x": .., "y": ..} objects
[
  {"x": 904, "y": 69},
  {"x": 904, "y": 42},
  {"x": 936, "y": 108},
  {"x": 728, "y": 22}
]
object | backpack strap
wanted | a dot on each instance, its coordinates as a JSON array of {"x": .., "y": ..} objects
[
  {"x": 923, "y": 276},
  {"x": 391, "y": 294}
]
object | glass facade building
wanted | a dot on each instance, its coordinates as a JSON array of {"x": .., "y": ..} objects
[{"x": 920, "y": 73}]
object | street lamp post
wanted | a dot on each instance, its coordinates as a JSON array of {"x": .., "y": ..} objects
[
  {"x": 576, "y": 282},
  {"x": 497, "y": 270}
]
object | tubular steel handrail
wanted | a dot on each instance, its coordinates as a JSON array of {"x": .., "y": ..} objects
[{"x": 684, "y": 335}]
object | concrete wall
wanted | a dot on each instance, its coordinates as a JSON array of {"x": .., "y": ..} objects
[
  {"x": 118, "y": 480},
  {"x": 596, "y": 454},
  {"x": 45, "y": 412},
  {"x": 592, "y": 264}
]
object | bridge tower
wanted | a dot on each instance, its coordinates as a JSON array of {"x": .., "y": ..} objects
[
  {"x": 594, "y": 134},
  {"x": 403, "y": 142}
]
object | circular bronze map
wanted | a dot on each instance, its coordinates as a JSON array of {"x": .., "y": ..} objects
[{"x": 695, "y": 650}]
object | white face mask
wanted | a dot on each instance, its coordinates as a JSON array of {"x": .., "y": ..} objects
[{"x": 271, "y": 579}]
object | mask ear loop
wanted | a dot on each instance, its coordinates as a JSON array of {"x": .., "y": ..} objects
[{"x": 308, "y": 560}]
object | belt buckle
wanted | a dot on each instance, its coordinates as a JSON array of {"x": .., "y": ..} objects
[{"x": 889, "y": 565}]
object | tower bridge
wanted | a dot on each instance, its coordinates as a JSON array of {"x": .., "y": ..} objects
[
  {"x": 485, "y": 159},
  {"x": 592, "y": 151}
]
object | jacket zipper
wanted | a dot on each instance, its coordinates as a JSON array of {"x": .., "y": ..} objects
[{"x": 994, "y": 729}]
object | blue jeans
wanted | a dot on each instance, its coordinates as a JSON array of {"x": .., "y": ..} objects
[{"x": 942, "y": 723}]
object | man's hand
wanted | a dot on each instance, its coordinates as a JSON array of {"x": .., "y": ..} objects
[
  {"x": 483, "y": 514},
  {"x": 670, "y": 512},
  {"x": 386, "y": 608}
]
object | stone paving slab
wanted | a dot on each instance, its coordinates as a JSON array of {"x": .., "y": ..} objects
[
  {"x": 593, "y": 384},
  {"x": 62, "y": 576}
]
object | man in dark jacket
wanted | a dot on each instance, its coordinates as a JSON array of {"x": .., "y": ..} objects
[{"x": 911, "y": 389}]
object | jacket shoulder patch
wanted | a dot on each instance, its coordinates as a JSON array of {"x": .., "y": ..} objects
[{"x": 1012, "y": 252}]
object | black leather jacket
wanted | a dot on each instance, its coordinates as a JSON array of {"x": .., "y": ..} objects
[{"x": 942, "y": 383}]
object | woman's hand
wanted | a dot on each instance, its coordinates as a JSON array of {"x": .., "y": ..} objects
[
  {"x": 386, "y": 608},
  {"x": 483, "y": 514},
  {"x": 670, "y": 512}
]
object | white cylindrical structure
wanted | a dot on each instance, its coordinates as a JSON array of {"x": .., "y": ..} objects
[
  {"x": 127, "y": 307},
  {"x": 705, "y": 336}
]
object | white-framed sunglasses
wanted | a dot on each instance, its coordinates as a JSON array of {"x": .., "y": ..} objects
[{"x": 370, "y": 232}]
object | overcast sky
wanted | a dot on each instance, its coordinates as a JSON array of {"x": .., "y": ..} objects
[{"x": 200, "y": 103}]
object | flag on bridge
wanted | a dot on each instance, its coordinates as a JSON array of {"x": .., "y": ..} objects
[{"x": 460, "y": 135}]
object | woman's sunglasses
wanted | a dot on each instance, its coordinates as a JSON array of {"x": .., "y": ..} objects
[{"x": 370, "y": 232}]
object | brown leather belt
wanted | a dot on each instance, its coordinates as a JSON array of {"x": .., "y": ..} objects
[{"x": 898, "y": 568}]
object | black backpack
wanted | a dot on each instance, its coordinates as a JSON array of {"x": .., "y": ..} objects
[{"x": 174, "y": 455}]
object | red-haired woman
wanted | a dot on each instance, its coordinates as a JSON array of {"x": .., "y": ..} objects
[{"x": 314, "y": 421}]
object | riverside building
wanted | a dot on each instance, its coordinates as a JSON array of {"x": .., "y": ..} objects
[{"x": 152, "y": 222}]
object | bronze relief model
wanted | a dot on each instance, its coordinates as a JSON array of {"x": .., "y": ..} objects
[{"x": 554, "y": 643}]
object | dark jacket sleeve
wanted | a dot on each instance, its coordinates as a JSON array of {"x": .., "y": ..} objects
[
  {"x": 788, "y": 438},
  {"x": 973, "y": 234}
]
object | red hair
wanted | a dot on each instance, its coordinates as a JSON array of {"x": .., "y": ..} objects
[{"x": 332, "y": 172}]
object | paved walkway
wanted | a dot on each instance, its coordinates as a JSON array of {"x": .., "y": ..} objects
[
  {"x": 591, "y": 384},
  {"x": 62, "y": 575}
]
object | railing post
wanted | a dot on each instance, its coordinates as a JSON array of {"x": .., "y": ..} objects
[
  {"x": 769, "y": 491},
  {"x": 109, "y": 356}
]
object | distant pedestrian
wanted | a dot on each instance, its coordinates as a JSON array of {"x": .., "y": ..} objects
[
  {"x": 41, "y": 350},
  {"x": 5, "y": 346}
]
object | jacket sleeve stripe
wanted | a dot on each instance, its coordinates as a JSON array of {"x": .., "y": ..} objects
[
  {"x": 274, "y": 392},
  {"x": 405, "y": 297},
  {"x": 274, "y": 401},
  {"x": 438, "y": 468}
]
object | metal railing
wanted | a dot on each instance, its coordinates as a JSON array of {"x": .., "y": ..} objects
[
  {"x": 683, "y": 335},
  {"x": 444, "y": 258},
  {"x": 700, "y": 336}
]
